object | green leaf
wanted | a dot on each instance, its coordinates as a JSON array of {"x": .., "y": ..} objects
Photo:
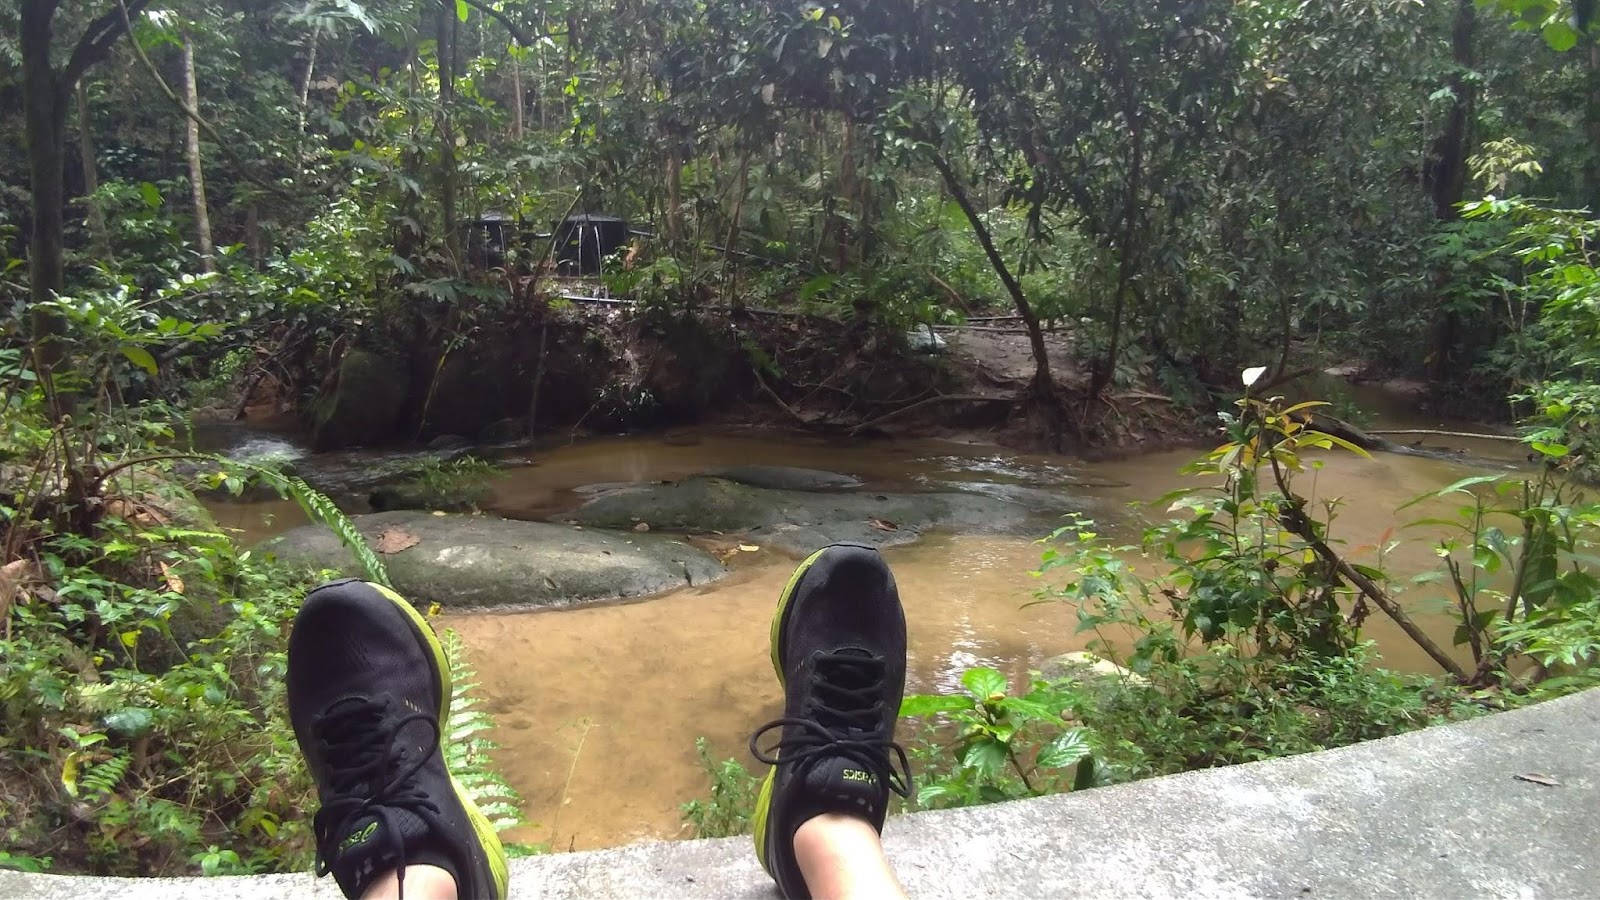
[
  {"x": 986, "y": 757},
  {"x": 140, "y": 357},
  {"x": 923, "y": 705},
  {"x": 1554, "y": 451},
  {"x": 151, "y": 194},
  {"x": 984, "y": 682},
  {"x": 934, "y": 792},
  {"x": 1560, "y": 36},
  {"x": 1067, "y": 748},
  {"x": 462, "y": 9}
]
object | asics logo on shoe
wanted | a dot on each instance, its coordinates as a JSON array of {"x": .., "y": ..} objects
[
  {"x": 858, "y": 775},
  {"x": 355, "y": 838}
]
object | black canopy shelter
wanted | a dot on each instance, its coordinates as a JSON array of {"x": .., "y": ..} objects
[{"x": 583, "y": 240}]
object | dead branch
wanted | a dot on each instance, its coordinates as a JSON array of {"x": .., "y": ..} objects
[
  {"x": 1295, "y": 520},
  {"x": 942, "y": 398},
  {"x": 760, "y": 382},
  {"x": 1454, "y": 434}
]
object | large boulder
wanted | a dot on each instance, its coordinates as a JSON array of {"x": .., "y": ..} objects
[
  {"x": 478, "y": 562},
  {"x": 801, "y": 521},
  {"x": 365, "y": 405}
]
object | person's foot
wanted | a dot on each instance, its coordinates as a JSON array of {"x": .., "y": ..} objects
[
  {"x": 839, "y": 647},
  {"x": 368, "y": 688}
]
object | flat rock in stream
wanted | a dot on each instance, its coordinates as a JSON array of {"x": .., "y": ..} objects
[
  {"x": 799, "y": 522},
  {"x": 787, "y": 478},
  {"x": 477, "y": 561}
]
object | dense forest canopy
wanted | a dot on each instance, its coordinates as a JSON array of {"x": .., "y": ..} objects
[{"x": 1194, "y": 185}]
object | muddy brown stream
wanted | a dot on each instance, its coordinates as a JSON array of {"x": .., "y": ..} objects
[{"x": 599, "y": 707}]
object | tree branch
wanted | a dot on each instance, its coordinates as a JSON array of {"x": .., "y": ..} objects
[
  {"x": 518, "y": 33},
  {"x": 98, "y": 37}
]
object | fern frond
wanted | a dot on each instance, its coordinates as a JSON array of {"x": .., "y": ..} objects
[
  {"x": 318, "y": 508},
  {"x": 101, "y": 779},
  {"x": 467, "y": 756}
]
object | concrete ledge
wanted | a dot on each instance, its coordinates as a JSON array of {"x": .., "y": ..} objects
[{"x": 1438, "y": 813}]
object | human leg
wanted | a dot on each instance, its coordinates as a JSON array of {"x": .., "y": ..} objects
[
  {"x": 368, "y": 687},
  {"x": 839, "y": 648}
]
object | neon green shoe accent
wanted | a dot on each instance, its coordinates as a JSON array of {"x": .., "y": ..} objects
[
  {"x": 763, "y": 806},
  {"x": 764, "y": 800},
  {"x": 783, "y": 607},
  {"x": 481, "y": 826}
]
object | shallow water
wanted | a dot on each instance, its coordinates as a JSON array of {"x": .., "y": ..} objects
[{"x": 599, "y": 707}]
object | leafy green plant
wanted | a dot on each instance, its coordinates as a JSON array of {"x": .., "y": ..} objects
[
  {"x": 456, "y": 484},
  {"x": 1004, "y": 747},
  {"x": 727, "y": 811}
]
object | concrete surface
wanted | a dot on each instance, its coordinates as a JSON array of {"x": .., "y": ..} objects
[{"x": 1440, "y": 813}]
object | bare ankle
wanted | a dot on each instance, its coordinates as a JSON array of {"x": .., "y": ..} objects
[
  {"x": 842, "y": 857},
  {"x": 422, "y": 883}
]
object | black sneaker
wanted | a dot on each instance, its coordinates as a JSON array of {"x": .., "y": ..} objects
[
  {"x": 368, "y": 686},
  {"x": 839, "y": 646}
]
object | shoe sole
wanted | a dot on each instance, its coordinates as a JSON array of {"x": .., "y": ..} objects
[
  {"x": 779, "y": 618},
  {"x": 481, "y": 826}
]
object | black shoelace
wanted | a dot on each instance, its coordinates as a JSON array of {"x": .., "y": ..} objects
[
  {"x": 370, "y": 774},
  {"x": 845, "y": 720}
]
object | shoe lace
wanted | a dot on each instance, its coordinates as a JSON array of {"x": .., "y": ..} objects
[
  {"x": 370, "y": 773},
  {"x": 845, "y": 720}
]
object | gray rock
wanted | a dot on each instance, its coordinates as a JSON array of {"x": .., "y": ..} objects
[
  {"x": 801, "y": 521},
  {"x": 472, "y": 561},
  {"x": 787, "y": 478}
]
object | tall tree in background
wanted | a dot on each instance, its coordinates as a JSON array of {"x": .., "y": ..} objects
[
  {"x": 191, "y": 149},
  {"x": 47, "y": 95}
]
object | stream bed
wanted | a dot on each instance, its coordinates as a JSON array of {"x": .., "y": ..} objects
[{"x": 599, "y": 707}]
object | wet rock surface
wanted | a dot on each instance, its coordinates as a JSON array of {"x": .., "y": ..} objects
[
  {"x": 481, "y": 562},
  {"x": 798, "y": 522}
]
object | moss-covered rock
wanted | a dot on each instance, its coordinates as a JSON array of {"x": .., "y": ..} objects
[{"x": 365, "y": 405}]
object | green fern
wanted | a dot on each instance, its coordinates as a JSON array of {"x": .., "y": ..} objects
[
  {"x": 101, "y": 779},
  {"x": 317, "y": 507},
  {"x": 466, "y": 749}
]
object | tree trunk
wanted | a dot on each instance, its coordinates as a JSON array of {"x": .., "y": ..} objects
[
  {"x": 305, "y": 98},
  {"x": 847, "y": 193},
  {"x": 735, "y": 229},
  {"x": 517, "y": 98},
  {"x": 1044, "y": 385},
  {"x": 191, "y": 149},
  {"x": 1445, "y": 176},
  {"x": 674, "y": 211},
  {"x": 252, "y": 234},
  {"x": 44, "y": 112},
  {"x": 445, "y": 49},
  {"x": 101, "y": 248}
]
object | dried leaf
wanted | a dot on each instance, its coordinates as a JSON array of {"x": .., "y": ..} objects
[
  {"x": 11, "y": 575},
  {"x": 174, "y": 583},
  {"x": 883, "y": 525},
  {"x": 394, "y": 540},
  {"x": 1538, "y": 778},
  {"x": 748, "y": 548}
]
